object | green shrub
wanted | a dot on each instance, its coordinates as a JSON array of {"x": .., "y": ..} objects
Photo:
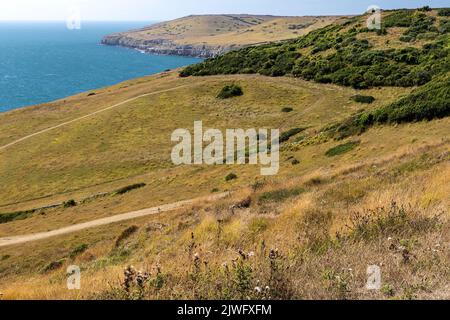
[
  {"x": 20, "y": 215},
  {"x": 424, "y": 103},
  {"x": 363, "y": 99},
  {"x": 354, "y": 61},
  {"x": 285, "y": 136},
  {"x": 444, "y": 12},
  {"x": 342, "y": 148},
  {"x": 126, "y": 234},
  {"x": 69, "y": 203},
  {"x": 231, "y": 176},
  {"x": 129, "y": 188},
  {"x": 5, "y": 257},
  {"x": 400, "y": 18},
  {"x": 279, "y": 195},
  {"x": 78, "y": 250},
  {"x": 53, "y": 266},
  {"x": 230, "y": 91}
]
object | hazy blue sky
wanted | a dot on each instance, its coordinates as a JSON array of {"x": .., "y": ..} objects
[{"x": 167, "y": 9}]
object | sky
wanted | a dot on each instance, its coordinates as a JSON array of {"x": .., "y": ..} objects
[{"x": 158, "y": 10}]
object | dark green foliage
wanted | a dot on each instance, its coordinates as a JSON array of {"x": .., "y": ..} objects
[
  {"x": 126, "y": 234},
  {"x": 69, "y": 203},
  {"x": 428, "y": 102},
  {"x": 444, "y": 26},
  {"x": 353, "y": 62},
  {"x": 295, "y": 162},
  {"x": 78, "y": 250},
  {"x": 279, "y": 195},
  {"x": 363, "y": 99},
  {"x": 230, "y": 91},
  {"x": 20, "y": 215},
  {"x": 444, "y": 12},
  {"x": 420, "y": 24},
  {"x": 287, "y": 109},
  {"x": 342, "y": 148},
  {"x": 425, "y": 9},
  {"x": 130, "y": 188},
  {"x": 231, "y": 176},
  {"x": 400, "y": 18},
  {"x": 53, "y": 266},
  {"x": 285, "y": 136}
]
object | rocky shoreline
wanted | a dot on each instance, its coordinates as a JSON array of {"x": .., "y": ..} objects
[{"x": 166, "y": 47}]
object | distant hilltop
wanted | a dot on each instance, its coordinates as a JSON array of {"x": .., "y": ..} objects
[{"x": 206, "y": 36}]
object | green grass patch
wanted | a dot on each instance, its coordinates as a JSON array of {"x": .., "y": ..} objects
[
  {"x": 363, "y": 99},
  {"x": 286, "y": 135},
  {"x": 280, "y": 195},
  {"x": 13, "y": 216},
  {"x": 78, "y": 250},
  {"x": 342, "y": 148},
  {"x": 129, "y": 188},
  {"x": 230, "y": 91},
  {"x": 231, "y": 176}
]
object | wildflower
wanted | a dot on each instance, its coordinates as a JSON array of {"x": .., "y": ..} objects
[{"x": 258, "y": 289}]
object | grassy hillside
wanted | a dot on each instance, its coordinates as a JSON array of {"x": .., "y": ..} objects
[
  {"x": 221, "y": 32},
  {"x": 347, "y": 53},
  {"x": 345, "y": 198}
]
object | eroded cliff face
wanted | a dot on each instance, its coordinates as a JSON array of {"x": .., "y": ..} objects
[{"x": 166, "y": 47}]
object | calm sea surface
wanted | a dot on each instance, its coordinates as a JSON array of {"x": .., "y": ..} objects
[{"x": 45, "y": 61}]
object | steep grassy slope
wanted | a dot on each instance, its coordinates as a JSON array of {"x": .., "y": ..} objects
[{"x": 343, "y": 54}]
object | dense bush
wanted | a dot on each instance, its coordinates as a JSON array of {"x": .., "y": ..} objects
[
  {"x": 352, "y": 62},
  {"x": 130, "y": 188},
  {"x": 69, "y": 203},
  {"x": 428, "y": 102},
  {"x": 230, "y": 91},
  {"x": 286, "y": 135},
  {"x": 20, "y": 215},
  {"x": 400, "y": 18},
  {"x": 231, "y": 176},
  {"x": 363, "y": 99},
  {"x": 287, "y": 109}
]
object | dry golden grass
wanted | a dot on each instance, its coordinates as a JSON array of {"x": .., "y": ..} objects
[
  {"x": 230, "y": 30},
  {"x": 304, "y": 229}
]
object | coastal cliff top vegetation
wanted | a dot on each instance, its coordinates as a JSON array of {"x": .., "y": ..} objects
[
  {"x": 411, "y": 48},
  {"x": 228, "y": 30}
]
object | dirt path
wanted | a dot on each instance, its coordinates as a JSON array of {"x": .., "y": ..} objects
[
  {"x": 8, "y": 241},
  {"x": 90, "y": 115}
]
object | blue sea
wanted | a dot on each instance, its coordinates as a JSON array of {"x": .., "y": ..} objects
[{"x": 45, "y": 61}]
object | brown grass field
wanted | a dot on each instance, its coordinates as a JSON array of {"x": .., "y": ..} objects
[{"x": 230, "y": 30}]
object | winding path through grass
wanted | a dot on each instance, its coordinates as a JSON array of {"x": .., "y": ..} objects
[{"x": 14, "y": 240}]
